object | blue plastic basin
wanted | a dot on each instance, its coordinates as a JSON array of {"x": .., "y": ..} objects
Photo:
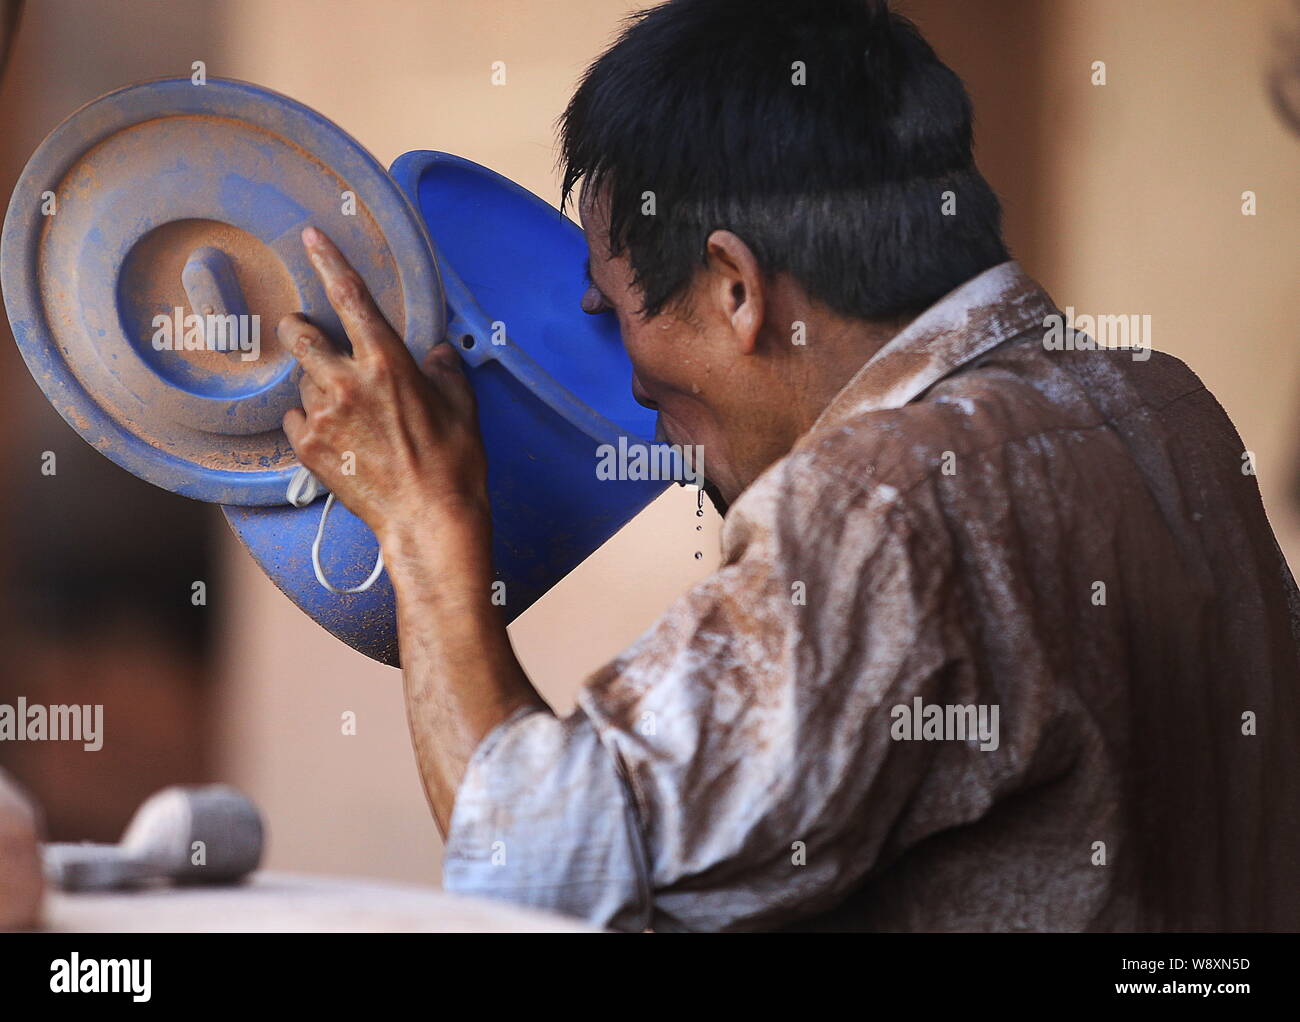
[{"x": 549, "y": 397}]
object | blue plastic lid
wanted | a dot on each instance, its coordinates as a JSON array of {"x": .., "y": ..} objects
[{"x": 151, "y": 247}]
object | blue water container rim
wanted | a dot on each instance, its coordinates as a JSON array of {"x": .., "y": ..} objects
[{"x": 466, "y": 316}]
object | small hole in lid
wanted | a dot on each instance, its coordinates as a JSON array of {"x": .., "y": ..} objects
[{"x": 467, "y": 341}]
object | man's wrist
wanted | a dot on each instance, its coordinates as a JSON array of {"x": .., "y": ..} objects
[{"x": 442, "y": 550}]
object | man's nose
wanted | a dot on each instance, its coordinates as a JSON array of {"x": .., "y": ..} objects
[{"x": 593, "y": 303}]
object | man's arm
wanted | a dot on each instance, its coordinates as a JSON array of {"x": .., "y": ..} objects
[
  {"x": 460, "y": 674},
  {"x": 420, "y": 484}
]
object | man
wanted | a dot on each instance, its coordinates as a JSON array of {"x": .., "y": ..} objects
[{"x": 1001, "y": 638}]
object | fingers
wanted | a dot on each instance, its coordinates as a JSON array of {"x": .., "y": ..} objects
[
  {"x": 445, "y": 369},
  {"x": 295, "y": 427},
  {"x": 313, "y": 396},
  {"x": 316, "y": 353},
  {"x": 443, "y": 357},
  {"x": 348, "y": 294}
]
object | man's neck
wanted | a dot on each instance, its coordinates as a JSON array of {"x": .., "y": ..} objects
[
  {"x": 805, "y": 369},
  {"x": 844, "y": 347}
]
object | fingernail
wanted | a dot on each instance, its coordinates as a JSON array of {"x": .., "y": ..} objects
[{"x": 310, "y": 236}]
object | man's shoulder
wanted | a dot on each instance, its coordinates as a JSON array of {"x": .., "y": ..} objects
[{"x": 1020, "y": 399}]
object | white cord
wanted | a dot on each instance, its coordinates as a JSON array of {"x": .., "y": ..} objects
[
  {"x": 315, "y": 558},
  {"x": 303, "y": 489}
]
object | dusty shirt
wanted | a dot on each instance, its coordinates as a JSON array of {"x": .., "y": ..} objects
[{"x": 1004, "y": 642}]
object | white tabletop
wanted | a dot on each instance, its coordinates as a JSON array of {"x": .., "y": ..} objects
[{"x": 288, "y": 902}]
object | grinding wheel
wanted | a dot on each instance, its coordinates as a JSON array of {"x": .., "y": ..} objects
[{"x": 159, "y": 218}]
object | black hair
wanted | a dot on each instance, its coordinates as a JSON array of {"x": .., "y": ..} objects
[{"x": 839, "y": 181}]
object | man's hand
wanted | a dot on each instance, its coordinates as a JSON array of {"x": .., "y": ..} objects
[
  {"x": 393, "y": 443},
  {"x": 403, "y": 452}
]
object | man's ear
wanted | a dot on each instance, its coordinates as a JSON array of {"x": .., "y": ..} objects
[{"x": 736, "y": 287}]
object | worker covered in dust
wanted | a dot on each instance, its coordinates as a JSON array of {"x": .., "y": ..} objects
[{"x": 1001, "y": 638}]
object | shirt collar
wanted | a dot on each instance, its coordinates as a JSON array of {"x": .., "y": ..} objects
[{"x": 999, "y": 304}]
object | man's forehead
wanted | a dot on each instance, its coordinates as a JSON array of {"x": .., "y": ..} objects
[
  {"x": 593, "y": 203},
  {"x": 593, "y": 211}
]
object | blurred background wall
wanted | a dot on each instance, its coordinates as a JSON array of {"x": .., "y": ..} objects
[{"x": 1123, "y": 198}]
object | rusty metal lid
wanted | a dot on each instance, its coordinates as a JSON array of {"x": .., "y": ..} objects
[{"x": 151, "y": 247}]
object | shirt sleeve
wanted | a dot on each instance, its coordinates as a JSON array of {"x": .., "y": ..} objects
[
  {"x": 543, "y": 818},
  {"x": 735, "y": 767}
]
